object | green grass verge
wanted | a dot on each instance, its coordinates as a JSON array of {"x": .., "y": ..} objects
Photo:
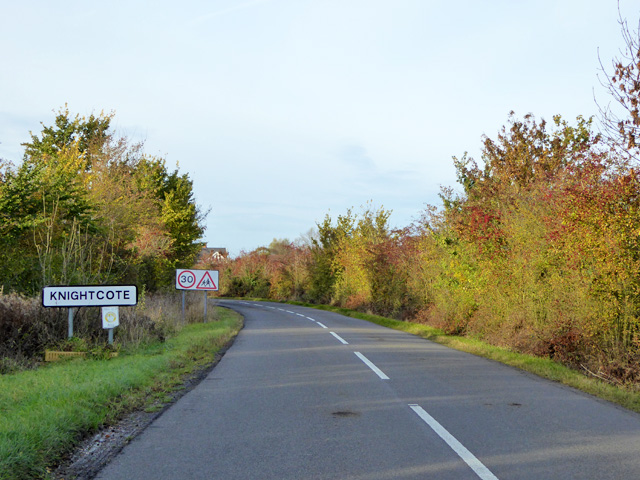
[
  {"x": 45, "y": 412},
  {"x": 543, "y": 367}
]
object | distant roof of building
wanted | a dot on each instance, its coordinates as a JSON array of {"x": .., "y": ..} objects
[{"x": 212, "y": 252}]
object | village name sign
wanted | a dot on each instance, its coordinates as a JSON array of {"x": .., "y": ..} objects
[
  {"x": 90, "y": 296},
  {"x": 109, "y": 297}
]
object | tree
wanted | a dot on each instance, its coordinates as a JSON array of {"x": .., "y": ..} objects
[
  {"x": 623, "y": 85},
  {"x": 279, "y": 246},
  {"x": 343, "y": 255},
  {"x": 41, "y": 201},
  {"x": 183, "y": 219},
  {"x": 180, "y": 216},
  {"x": 87, "y": 134},
  {"x": 87, "y": 207},
  {"x": 525, "y": 151}
]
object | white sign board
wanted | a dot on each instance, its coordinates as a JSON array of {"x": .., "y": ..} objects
[
  {"x": 203, "y": 280},
  {"x": 90, "y": 296},
  {"x": 110, "y": 317}
]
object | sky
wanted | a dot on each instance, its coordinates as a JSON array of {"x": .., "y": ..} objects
[{"x": 284, "y": 111}]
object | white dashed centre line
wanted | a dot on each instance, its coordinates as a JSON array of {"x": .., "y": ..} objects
[
  {"x": 342, "y": 340},
  {"x": 370, "y": 364},
  {"x": 470, "y": 459}
]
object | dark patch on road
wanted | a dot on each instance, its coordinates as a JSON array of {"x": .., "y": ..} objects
[{"x": 345, "y": 413}]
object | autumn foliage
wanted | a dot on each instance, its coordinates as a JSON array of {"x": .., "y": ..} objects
[
  {"x": 88, "y": 207},
  {"x": 538, "y": 252}
]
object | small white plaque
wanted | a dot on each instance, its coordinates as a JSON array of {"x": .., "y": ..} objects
[{"x": 110, "y": 317}]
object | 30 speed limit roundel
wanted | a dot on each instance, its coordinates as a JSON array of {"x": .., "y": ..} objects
[{"x": 186, "y": 279}]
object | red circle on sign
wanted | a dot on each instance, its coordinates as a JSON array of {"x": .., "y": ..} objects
[{"x": 188, "y": 277}]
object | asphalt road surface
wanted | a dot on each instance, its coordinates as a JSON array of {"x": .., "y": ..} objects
[{"x": 308, "y": 394}]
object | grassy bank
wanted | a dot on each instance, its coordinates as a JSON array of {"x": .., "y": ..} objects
[{"x": 44, "y": 412}]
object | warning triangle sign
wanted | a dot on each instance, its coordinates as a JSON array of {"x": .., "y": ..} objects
[{"x": 206, "y": 283}]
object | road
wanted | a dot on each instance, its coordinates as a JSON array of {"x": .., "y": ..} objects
[{"x": 309, "y": 394}]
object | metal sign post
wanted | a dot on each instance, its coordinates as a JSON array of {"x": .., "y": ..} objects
[
  {"x": 110, "y": 297},
  {"x": 205, "y": 306},
  {"x": 71, "y": 313},
  {"x": 202, "y": 280},
  {"x": 184, "y": 294}
]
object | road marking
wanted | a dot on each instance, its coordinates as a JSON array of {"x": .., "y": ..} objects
[
  {"x": 300, "y": 315},
  {"x": 476, "y": 465},
  {"x": 289, "y": 311},
  {"x": 321, "y": 324},
  {"x": 313, "y": 320},
  {"x": 344, "y": 342},
  {"x": 369, "y": 364}
]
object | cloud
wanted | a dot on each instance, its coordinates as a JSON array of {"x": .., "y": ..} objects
[{"x": 356, "y": 156}]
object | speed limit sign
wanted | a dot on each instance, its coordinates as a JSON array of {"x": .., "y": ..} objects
[
  {"x": 185, "y": 279},
  {"x": 196, "y": 279}
]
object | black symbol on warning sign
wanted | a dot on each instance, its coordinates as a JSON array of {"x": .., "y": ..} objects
[{"x": 206, "y": 283}]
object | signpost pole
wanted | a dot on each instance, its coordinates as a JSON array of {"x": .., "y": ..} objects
[
  {"x": 184, "y": 293},
  {"x": 205, "y": 306},
  {"x": 204, "y": 280},
  {"x": 109, "y": 297},
  {"x": 71, "y": 312}
]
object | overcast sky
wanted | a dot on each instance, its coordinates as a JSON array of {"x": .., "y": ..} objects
[{"x": 282, "y": 111}]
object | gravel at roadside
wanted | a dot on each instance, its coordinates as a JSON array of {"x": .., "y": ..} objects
[{"x": 94, "y": 452}]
